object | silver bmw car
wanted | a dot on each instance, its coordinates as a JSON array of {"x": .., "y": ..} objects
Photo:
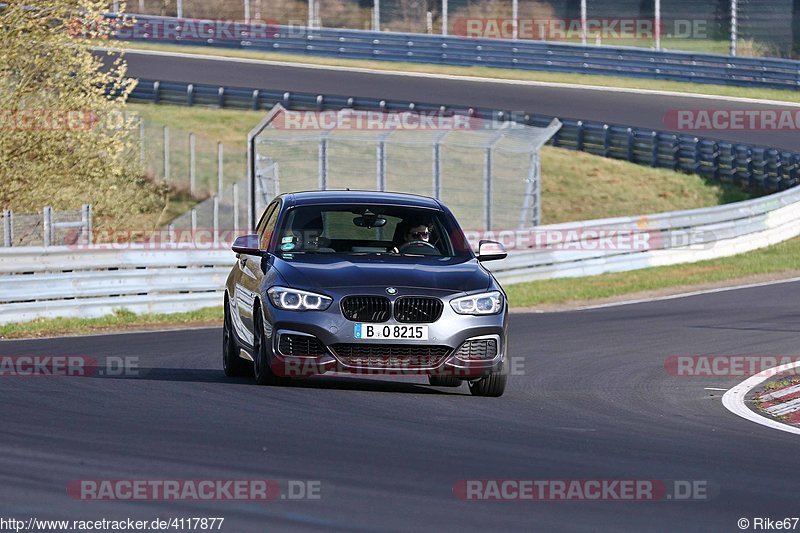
[{"x": 365, "y": 283}]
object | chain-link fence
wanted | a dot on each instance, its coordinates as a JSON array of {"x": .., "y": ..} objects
[
  {"x": 486, "y": 172},
  {"x": 189, "y": 162},
  {"x": 47, "y": 228},
  {"x": 754, "y": 27}
]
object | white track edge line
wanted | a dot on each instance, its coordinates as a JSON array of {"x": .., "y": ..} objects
[
  {"x": 477, "y": 79},
  {"x": 733, "y": 400}
]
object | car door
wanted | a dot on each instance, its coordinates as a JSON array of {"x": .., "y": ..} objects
[{"x": 249, "y": 272}]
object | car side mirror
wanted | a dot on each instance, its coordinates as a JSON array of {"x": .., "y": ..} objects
[
  {"x": 247, "y": 244},
  {"x": 491, "y": 251}
]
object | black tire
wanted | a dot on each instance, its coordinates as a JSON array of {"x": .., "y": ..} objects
[
  {"x": 444, "y": 381},
  {"x": 261, "y": 358},
  {"x": 232, "y": 364},
  {"x": 492, "y": 386}
]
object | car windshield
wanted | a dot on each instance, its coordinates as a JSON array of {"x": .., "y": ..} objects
[{"x": 370, "y": 229}]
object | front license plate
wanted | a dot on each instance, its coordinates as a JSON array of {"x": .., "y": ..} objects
[{"x": 397, "y": 332}]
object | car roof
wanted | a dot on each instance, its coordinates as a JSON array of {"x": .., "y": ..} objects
[{"x": 360, "y": 197}]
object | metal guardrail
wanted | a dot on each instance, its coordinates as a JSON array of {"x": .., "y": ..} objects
[
  {"x": 465, "y": 51},
  {"x": 64, "y": 281},
  {"x": 102, "y": 278},
  {"x": 751, "y": 166}
]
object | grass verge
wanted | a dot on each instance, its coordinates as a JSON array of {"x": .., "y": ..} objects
[
  {"x": 778, "y": 261},
  {"x": 121, "y": 320},
  {"x": 485, "y": 72},
  {"x": 774, "y": 260}
]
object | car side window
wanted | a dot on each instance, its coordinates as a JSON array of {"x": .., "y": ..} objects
[{"x": 267, "y": 226}]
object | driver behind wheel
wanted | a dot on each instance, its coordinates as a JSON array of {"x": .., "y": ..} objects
[{"x": 412, "y": 231}]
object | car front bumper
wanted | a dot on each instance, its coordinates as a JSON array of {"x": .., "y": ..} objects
[{"x": 331, "y": 328}]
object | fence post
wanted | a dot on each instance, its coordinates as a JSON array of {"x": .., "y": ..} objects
[
  {"x": 631, "y": 142},
  {"x": 235, "y": 196},
  {"x": 657, "y": 29},
  {"x": 437, "y": 170},
  {"x": 276, "y": 179},
  {"x": 487, "y": 188},
  {"x": 323, "y": 163},
  {"x": 141, "y": 143},
  {"x": 381, "y": 163},
  {"x": 166, "y": 152},
  {"x": 86, "y": 222},
  {"x": 220, "y": 172},
  {"x": 579, "y": 136},
  {"x": 246, "y": 11},
  {"x": 215, "y": 221},
  {"x": 445, "y": 10},
  {"x": 537, "y": 188},
  {"x": 583, "y": 22},
  {"x": 180, "y": 9},
  {"x": 515, "y": 19},
  {"x": 194, "y": 223},
  {"x": 606, "y": 140},
  {"x": 654, "y": 150},
  {"x": 8, "y": 237},
  {"x": 376, "y": 15},
  {"x": 192, "y": 165},
  {"x": 734, "y": 26},
  {"x": 47, "y": 218}
]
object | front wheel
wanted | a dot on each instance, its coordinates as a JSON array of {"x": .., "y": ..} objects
[
  {"x": 232, "y": 364},
  {"x": 493, "y": 385},
  {"x": 261, "y": 358}
]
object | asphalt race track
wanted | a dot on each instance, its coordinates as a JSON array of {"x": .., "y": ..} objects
[
  {"x": 642, "y": 110},
  {"x": 595, "y": 402}
]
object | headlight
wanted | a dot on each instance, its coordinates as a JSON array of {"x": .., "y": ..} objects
[
  {"x": 487, "y": 303},
  {"x": 297, "y": 300}
]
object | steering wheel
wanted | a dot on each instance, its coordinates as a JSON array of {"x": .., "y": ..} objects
[{"x": 423, "y": 244}]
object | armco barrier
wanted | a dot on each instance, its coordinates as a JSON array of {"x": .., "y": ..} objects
[
  {"x": 746, "y": 165},
  {"x": 465, "y": 51},
  {"x": 63, "y": 281}
]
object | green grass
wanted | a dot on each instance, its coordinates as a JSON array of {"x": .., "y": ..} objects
[
  {"x": 120, "y": 320},
  {"x": 780, "y": 258},
  {"x": 487, "y": 72}
]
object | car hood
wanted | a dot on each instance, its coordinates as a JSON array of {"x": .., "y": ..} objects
[{"x": 320, "y": 271}]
